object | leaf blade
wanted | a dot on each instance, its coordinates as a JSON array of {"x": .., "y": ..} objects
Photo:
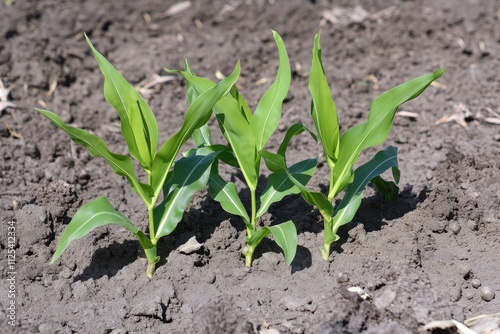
[
  {"x": 138, "y": 123},
  {"x": 285, "y": 236},
  {"x": 94, "y": 214},
  {"x": 267, "y": 115},
  {"x": 121, "y": 164}
]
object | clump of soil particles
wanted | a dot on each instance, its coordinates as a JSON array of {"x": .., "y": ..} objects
[{"x": 427, "y": 263}]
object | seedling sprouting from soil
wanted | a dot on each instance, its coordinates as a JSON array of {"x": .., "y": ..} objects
[
  {"x": 247, "y": 134},
  {"x": 342, "y": 152},
  {"x": 140, "y": 131}
]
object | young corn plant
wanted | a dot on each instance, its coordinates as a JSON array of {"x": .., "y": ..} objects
[
  {"x": 178, "y": 181},
  {"x": 247, "y": 134},
  {"x": 342, "y": 151}
]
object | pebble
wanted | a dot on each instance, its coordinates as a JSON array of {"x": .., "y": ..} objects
[
  {"x": 66, "y": 273},
  {"x": 455, "y": 227},
  {"x": 487, "y": 293},
  {"x": 46, "y": 328},
  {"x": 464, "y": 270},
  {"x": 210, "y": 278},
  {"x": 476, "y": 283},
  {"x": 456, "y": 293},
  {"x": 429, "y": 175},
  {"x": 472, "y": 224},
  {"x": 342, "y": 277}
]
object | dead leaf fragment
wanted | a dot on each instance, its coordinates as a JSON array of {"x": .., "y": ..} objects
[
  {"x": 177, "y": 8},
  {"x": 191, "y": 246}
]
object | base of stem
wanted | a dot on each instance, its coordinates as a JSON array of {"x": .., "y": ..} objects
[
  {"x": 150, "y": 270},
  {"x": 325, "y": 251}
]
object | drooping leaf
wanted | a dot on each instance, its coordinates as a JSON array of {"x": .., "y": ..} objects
[
  {"x": 121, "y": 164},
  {"x": 276, "y": 164},
  {"x": 389, "y": 189},
  {"x": 94, "y": 214},
  {"x": 279, "y": 185},
  {"x": 267, "y": 115},
  {"x": 138, "y": 123},
  {"x": 227, "y": 195},
  {"x": 197, "y": 115},
  {"x": 375, "y": 130},
  {"x": 323, "y": 110},
  {"x": 295, "y": 130},
  {"x": 285, "y": 235},
  {"x": 349, "y": 205},
  {"x": 234, "y": 126},
  {"x": 190, "y": 174}
]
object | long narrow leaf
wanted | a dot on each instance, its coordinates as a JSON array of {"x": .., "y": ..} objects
[
  {"x": 190, "y": 174},
  {"x": 227, "y": 195},
  {"x": 285, "y": 235},
  {"x": 295, "y": 130},
  {"x": 375, "y": 130},
  {"x": 349, "y": 205},
  {"x": 323, "y": 110},
  {"x": 234, "y": 126},
  {"x": 202, "y": 135},
  {"x": 138, "y": 123},
  {"x": 276, "y": 163},
  {"x": 197, "y": 115},
  {"x": 94, "y": 214},
  {"x": 279, "y": 185},
  {"x": 267, "y": 115},
  {"x": 121, "y": 164}
]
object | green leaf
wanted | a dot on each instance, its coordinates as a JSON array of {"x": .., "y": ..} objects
[
  {"x": 234, "y": 126},
  {"x": 138, "y": 123},
  {"x": 285, "y": 235},
  {"x": 276, "y": 164},
  {"x": 244, "y": 108},
  {"x": 197, "y": 115},
  {"x": 389, "y": 189},
  {"x": 323, "y": 110},
  {"x": 375, "y": 130},
  {"x": 121, "y": 164},
  {"x": 267, "y": 115},
  {"x": 349, "y": 205},
  {"x": 227, "y": 195},
  {"x": 190, "y": 174},
  {"x": 295, "y": 130},
  {"x": 279, "y": 185},
  {"x": 94, "y": 214},
  {"x": 202, "y": 135}
]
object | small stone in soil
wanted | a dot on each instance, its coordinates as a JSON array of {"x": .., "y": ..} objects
[
  {"x": 342, "y": 277},
  {"x": 476, "y": 283},
  {"x": 456, "y": 293},
  {"x": 472, "y": 224},
  {"x": 455, "y": 227},
  {"x": 464, "y": 270},
  {"x": 487, "y": 293}
]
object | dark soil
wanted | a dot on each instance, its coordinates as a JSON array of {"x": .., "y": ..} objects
[{"x": 417, "y": 258}]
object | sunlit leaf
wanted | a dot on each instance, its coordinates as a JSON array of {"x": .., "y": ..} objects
[
  {"x": 138, "y": 123},
  {"x": 267, "y": 115},
  {"x": 121, "y": 164},
  {"x": 285, "y": 235},
  {"x": 94, "y": 214}
]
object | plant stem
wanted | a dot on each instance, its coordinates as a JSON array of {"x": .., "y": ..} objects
[
  {"x": 251, "y": 228},
  {"x": 329, "y": 238}
]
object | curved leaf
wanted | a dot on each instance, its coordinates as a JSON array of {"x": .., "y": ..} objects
[
  {"x": 279, "y": 185},
  {"x": 234, "y": 126},
  {"x": 295, "y": 130},
  {"x": 121, "y": 164},
  {"x": 267, "y": 115},
  {"x": 197, "y": 115},
  {"x": 94, "y": 214},
  {"x": 227, "y": 195},
  {"x": 190, "y": 174},
  {"x": 375, "y": 130},
  {"x": 285, "y": 235},
  {"x": 138, "y": 123},
  {"x": 349, "y": 205},
  {"x": 323, "y": 110}
]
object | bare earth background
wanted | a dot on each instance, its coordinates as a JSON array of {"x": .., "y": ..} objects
[{"x": 418, "y": 258}]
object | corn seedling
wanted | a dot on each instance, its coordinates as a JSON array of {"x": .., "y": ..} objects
[
  {"x": 247, "y": 134},
  {"x": 342, "y": 152},
  {"x": 178, "y": 181}
]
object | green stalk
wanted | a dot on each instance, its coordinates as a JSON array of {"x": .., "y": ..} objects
[
  {"x": 151, "y": 250},
  {"x": 329, "y": 238},
  {"x": 251, "y": 229}
]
